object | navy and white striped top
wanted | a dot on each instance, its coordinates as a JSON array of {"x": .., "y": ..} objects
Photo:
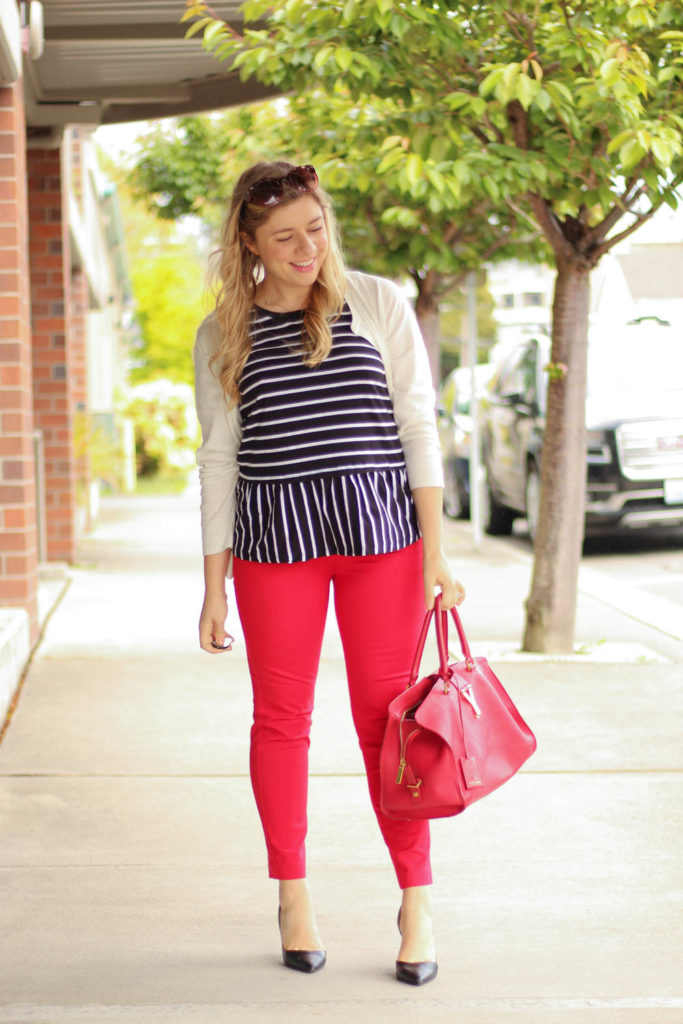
[{"x": 321, "y": 468}]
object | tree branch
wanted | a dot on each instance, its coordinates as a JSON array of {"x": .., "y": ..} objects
[
  {"x": 623, "y": 205},
  {"x": 512, "y": 205},
  {"x": 513, "y": 22},
  {"x": 482, "y": 136},
  {"x": 640, "y": 218},
  {"x": 496, "y": 131},
  {"x": 565, "y": 12},
  {"x": 374, "y": 226}
]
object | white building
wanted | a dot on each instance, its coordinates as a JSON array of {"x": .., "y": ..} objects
[{"x": 642, "y": 276}]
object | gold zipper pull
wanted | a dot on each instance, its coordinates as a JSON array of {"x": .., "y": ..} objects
[{"x": 401, "y": 769}]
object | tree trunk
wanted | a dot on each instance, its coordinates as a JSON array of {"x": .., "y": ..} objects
[
  {"x": 551, "y": 605},
  {"x": 427, "y": 312}
]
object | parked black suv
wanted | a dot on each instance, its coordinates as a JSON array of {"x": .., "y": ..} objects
[{"x": 634, "y": 419}]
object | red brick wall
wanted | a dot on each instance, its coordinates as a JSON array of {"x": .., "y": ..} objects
[
  {"x": 51, "y": 302},
  {"x": 18, "y": 543}
]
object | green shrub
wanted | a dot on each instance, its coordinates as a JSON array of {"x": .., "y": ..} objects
[{"x": 166, "y": 428}]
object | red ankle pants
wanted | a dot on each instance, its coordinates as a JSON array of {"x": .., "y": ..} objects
[{"x": 379, "y": 605}]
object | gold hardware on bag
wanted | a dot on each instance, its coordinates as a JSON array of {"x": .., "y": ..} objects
[{"x": 408, "y": 713}]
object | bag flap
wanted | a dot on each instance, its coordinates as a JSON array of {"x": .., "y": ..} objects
[{"x": 440, "y": 713}]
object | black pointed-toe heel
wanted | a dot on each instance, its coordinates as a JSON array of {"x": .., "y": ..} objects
[
  {"x": 306, "y": 960},
  {"x": 415, "y": 973}
]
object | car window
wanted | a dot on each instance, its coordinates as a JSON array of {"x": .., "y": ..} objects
[{"x": 518, "y": 376}]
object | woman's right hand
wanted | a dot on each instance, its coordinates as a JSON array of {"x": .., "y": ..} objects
[{"x": 212, "y": 632}]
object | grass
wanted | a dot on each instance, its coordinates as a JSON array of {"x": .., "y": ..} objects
[{"x": 162, "y": 483}]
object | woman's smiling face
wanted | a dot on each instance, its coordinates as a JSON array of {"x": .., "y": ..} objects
[{"x": 292, "y": 245}]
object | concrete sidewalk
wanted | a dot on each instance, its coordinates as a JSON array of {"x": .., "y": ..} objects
[{"x": 133, "y": 870}]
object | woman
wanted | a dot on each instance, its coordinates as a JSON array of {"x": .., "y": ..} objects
[{"x": 319, "y": 465}]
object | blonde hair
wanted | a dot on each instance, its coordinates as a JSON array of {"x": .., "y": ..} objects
[{"x": 237, "y": 271}]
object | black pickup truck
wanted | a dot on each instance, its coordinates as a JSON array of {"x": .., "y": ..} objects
[{"x": 634, "y": 421}]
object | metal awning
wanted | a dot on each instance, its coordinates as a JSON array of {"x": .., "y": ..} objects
[{"x": 106, "y": 63}]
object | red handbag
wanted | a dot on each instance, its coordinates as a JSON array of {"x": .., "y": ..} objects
[{"x": 452, "y": 737}]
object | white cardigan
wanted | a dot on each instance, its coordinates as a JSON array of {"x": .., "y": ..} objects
[{"x": 381, "y": 313}]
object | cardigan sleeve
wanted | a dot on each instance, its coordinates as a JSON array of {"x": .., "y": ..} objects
[
  {"x": 217, "y": 455},
  {"x": 410, "y": 385}
]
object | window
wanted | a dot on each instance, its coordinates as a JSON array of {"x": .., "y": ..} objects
[
  {"x": 533, "y": 299},
  {"x": 519, "y": 376},
  {"x": 507, "y": 301}
]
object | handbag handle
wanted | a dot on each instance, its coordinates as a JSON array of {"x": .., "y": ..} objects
[{"x": 441, "y": 640}]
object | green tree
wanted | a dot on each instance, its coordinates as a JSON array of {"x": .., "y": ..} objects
[
  {"x": 168, "y": 292},
  {"x": 167, "y": 278},
  {"x": 391, "y": 224},
  {"x": 567, "y": 112}
]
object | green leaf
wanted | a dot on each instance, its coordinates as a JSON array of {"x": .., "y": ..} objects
[
  {"x": 389, "y": 160},
  {"x": 491, "y": 186},
  {"x": 666, "y": 74},
  {"x": 610, "y": 71},
  {"x": 348, "y": 12},
  {"x": 651, "y": 177},
  {"x": 213, "y": 32},
  {"x": 477, "y": 107},
  {"x": 413, "y": 169},
  {"x": 526, "y": 90},
  {"x": 456, "y": 100},
  {"x": 436, "y": 179},
  {"x": 197, "y": 26},
  {"x": 562, "y": 89},
  {"x": 639, "y": 17},
  {"x": 322, "y": 56},
  {"x": 490, "y": 82},
  {"x": 618, "y": 141},
  {"x": 399, "y": 26},
  {"x": 439, "y": 148},
  {"x": 543, "y": 101},
  {"x": 343, "y": 57},
  {"x": 631, "y": 154},
  {"x": 507, "y": 86},
  {"x": 662, "y": 152},
  {"x": 539, "y": 171}
]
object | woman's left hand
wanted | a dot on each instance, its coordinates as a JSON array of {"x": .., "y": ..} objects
[{"x": 436, "y": 572}]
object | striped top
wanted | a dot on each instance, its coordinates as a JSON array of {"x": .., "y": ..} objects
[{"x": 321, "y": 467}]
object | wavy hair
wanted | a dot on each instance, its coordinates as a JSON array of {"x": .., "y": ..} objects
[{"x": 237, "y": 271}]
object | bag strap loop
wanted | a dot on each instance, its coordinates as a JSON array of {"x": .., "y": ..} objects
[{"x": 441, "y": 640}]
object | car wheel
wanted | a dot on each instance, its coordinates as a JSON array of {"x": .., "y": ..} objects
[
  {"x": 452, "y": 505},
  {"x": 533, "y": 499},
  {"x": 496, "y": 519}
]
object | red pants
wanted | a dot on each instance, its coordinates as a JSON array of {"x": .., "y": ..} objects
[{"x": 379, "y": 604}]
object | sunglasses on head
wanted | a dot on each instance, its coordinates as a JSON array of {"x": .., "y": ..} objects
[{"x": 270, "y": 191}]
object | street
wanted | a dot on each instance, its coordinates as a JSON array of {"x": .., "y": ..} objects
[{"x": 651, "y": 560}]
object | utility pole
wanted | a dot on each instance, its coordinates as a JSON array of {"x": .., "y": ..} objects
[{"x": 475, "y": 447}]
